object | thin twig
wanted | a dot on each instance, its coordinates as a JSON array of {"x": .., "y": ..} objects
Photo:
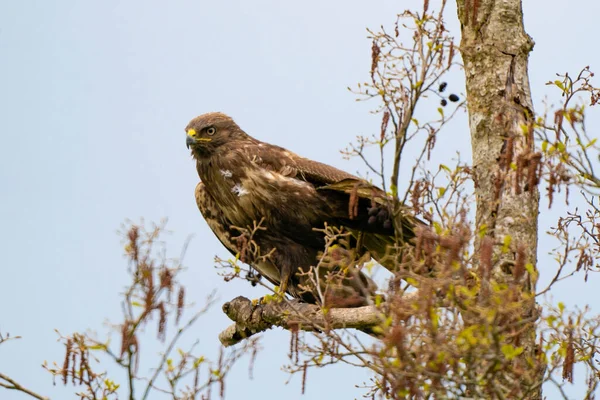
[{"x": 16, "y": 386}]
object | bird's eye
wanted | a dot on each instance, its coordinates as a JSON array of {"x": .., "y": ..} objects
[{"x": 211, "y": 131}]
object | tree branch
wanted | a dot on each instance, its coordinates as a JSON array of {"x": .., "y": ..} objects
[
  {"x": 16, "y": 386},
  {"x": 250, "y": 319}
]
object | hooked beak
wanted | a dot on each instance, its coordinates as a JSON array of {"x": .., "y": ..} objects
[
  {"x": 192, "y": 138},
  {"x": 189, "y": 141}
]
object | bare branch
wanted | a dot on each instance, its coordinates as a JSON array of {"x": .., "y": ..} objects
[
  {"x": 12, "y": 384},
  {"x": 250, "y": 319}
]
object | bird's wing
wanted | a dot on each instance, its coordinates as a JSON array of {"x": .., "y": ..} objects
[
  {"x": 360, "y": 194},
  {"x": 279, "y": 160},
  {"x": 375, "y": 235},
  {"x": 352, "y": 200},
  {"x": 223, "y": 230},
  {"x": 379, "y": 199},
  {"x": 320, "y": 174}
]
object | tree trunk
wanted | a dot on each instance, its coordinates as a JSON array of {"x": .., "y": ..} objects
[{"x": 495, "y": 50}]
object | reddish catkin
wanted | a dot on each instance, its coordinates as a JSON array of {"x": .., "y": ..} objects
[
  {"x": 133, "y": 235},
  {"x": 294, "y": 339},
  {"x": 353, "y": 203},
  {"x": 419, "y": 243},
  {"x": 533, "y": 171},
  {"x": 430, "y": 145},
  {"x": 453, "y": 246},
  {"x": 384, "y": 124},
  {"x": 416, "y": 196},
  {"x": 162, "y": 322},
  {"x": 73, "y": 366},
  {"x": 82, "y": 366},
  {"x": 65, "y": 368},
  {"x": 180, "y": 304},
  {"x": 519, "y": 269},
  {"x": 148, "y": 281},
  {"x": 558, "y": 120},
  {"x": 522, "y": 163},
  {"x": 126, "y": 337},
  {"x": 424, "y": 247},
  {"x": 530, "y": 133},
  {"x": 166, "y": 278},
  {"x": 552, "y": 182},
  {"x": 570, "y": 355},
  {"x": 485, "y": 264},
  {"x": 291, "y": 353},
  {"x": 375, "y": 51},
  {"x": 304, "y": 370},
  {"x": 498, "y": 182},
  {"x": 395, "y": 337}
]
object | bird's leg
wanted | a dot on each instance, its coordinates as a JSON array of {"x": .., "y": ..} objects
[
  {"x": 286, "y": 275},
  {"x": 282, "y": 289}
]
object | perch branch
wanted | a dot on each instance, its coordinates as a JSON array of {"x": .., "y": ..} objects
[{"x": 250, "y": 319}]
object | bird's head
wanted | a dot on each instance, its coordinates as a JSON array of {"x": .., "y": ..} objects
[{"x": 207, "y": 132}]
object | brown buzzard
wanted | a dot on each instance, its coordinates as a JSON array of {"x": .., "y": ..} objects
[{"x": 244, "y": 180}]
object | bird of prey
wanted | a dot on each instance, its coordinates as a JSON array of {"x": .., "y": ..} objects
[{"x": 244, "y": 181}]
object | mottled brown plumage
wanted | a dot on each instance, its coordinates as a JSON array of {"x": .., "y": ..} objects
[{"x": 244, "y": 181}]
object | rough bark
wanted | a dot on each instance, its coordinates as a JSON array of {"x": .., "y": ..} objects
[
  {"x": 251, "y": 319},
  {"x": 495, "y": 49}
]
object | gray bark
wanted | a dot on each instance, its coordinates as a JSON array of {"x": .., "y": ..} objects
[
  {"x": 251, "y": 319},
  {"x": 495, "y": 50}
]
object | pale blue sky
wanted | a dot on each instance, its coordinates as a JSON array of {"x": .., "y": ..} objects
[{"x": 94, "y": 96}]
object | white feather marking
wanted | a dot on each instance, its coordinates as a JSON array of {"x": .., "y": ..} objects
[
  {"x": 268, "y": 174},
  {"x": 297, "y": 182},
  {"x": 239, "y": 190},
  {"x": 284, "y": 179},
  {"x": 226, "y": 173}
]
